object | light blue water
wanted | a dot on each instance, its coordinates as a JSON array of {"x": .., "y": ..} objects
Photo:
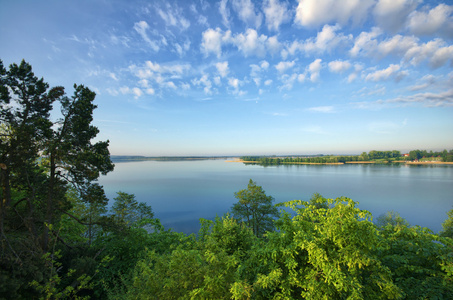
[{"x": 181, "y": 192}]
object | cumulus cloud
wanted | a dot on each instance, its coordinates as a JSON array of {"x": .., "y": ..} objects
[
  {"x": 357, "y": 69},
  {"x": 222, "y": 68},
  {"x": 365, "y": 42},
  {"x": 436, "y": 52},
  {"x": 396, "y": 45},
  {"x": 205, "y": 83},
  {"x": 125, "y": 90},
  {"x": 235, "y": 84},
  {"x": 391, "y": 15},
  {"x": 436, "y": 20},
  {"x": 326, "y": 41},
  {"x": 246, "y": 13},
  {"x": 251, "y": 43},
  {"x": 392, "y": 71},
  {"x": 273, "y": 44},
  {"x": 283, "y": 66},
  {"x": 276, "y": 13},
  {"x": 339, "y": 66},
  {"x": 212, "y": 42},
  {"x": 313, "y": 13},
  {"x": 141, "y": 28},
  {"x": 314, "y": 69},
  {"x": 255, "y": 71}
]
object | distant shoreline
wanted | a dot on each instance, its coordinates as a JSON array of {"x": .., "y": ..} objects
[{"x": 350, "y": 162}]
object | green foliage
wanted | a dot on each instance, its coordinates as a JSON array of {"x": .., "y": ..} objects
[
  {"x": 391, "y": 218},
  {"x": 420, "y": 262},
  {"x": 322, "y": 254},
  {"x": 40, "y": 160},
  {"x": 447, "y": 225},
  {"x": 255, "y": 209},
  {"x": 205, "y": 269},
  {"x": 127, "y": 211}
]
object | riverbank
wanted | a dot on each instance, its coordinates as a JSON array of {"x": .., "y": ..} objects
[{"x": 348, "y": 162}]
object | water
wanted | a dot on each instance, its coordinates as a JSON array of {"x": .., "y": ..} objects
[{"x": 181, "y": 192}]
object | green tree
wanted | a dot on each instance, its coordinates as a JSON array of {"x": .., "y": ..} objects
[
  {"x": 447, "y": 225},
  {"x": 40, "y": 160},
  {"x": 128, "y": 211},
  {"x": 391, "y": 218},
  {"x": 319, "y": 253},
  {"x": 255, "y": 209},
  {"x": 420, "y": 262}
]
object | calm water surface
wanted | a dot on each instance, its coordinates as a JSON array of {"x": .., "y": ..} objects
[{"x": 181, "y": 192}]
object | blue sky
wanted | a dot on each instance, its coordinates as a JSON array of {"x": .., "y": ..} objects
[{"x": 244, "y": 77}]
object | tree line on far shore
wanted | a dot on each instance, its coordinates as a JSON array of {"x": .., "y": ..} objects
[{"x": 393, "y": 156}]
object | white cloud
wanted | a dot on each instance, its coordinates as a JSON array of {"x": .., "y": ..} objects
[
  {"x": 128, "y": 91},
  {"x": 353, "y": 75},
  {"x": 339, "y": 66},
  {"x": 284, "y": 65},
  {"x": 288, "y": 81},
  {"x": 314, "y": 13},
  {"x": 442, "y": 99},
  {"x": 250, "y": 43},
  {"x": 397, "y": 45},
  {"x": 268, "y": 82},
  {"x": 276, "y": 13},
  {"x": 173, "y": 17},
  {"x": 392, "y": 71},
  {"x": 212, "y": 42},
  {"x": 113, "y": 76},
  {"x": 326, "y": 41},
  {"x": 205, "y": 82},
  {"x": 140, "y": 28},
  {"x": 315, "y": 68},
  {"x": 246, "y": 12},
  {"x": 222, "y": 68},
  {"x": 233, "y": 82},
  {"x": 255, "y": 71},
  {"x": 225, "y": 13},
  {"x": 436, "y": 20},
  {"x": 322, "y": 109},
  {"x": 182, "y": 49},
  {"x": 365, "y": 42},
  {"x": 273, "y": 44},
  {"x": 435, "y": 51},
  {"x": 392, "y": 14},
  {"x": 426, "y": 81}
]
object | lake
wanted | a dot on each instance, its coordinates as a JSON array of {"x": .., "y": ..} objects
[{"x": 182, "y": 192}]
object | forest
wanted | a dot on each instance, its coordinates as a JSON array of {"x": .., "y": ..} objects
[
  {"x": 374, "y": 156},
  {"x": 62, "y": 239}
]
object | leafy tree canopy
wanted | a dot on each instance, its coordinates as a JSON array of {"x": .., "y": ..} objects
[{"x": 255, "y": 209}]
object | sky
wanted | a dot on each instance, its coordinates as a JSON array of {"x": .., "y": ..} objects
[{"x": 230, "y": 77}]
